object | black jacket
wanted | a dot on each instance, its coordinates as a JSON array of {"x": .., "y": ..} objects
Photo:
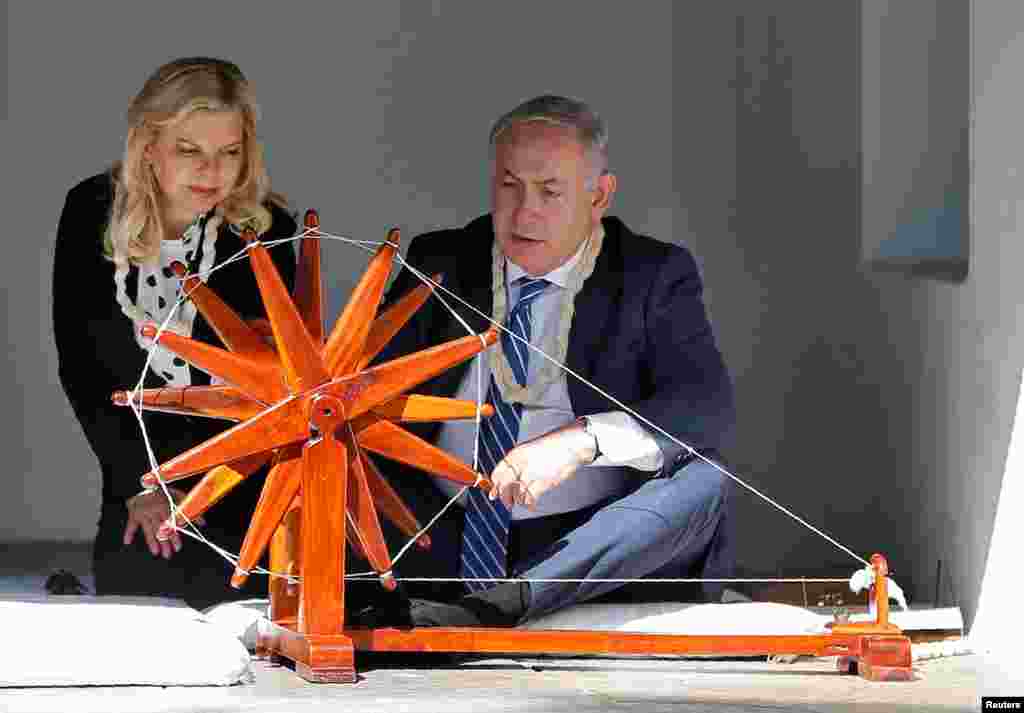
[{"x": 98, "y": 353}]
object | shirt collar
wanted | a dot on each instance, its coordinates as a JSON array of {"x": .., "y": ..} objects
[{"x": 561, "y": 274}]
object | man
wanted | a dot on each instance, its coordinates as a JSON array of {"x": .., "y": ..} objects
[{"x": 583, "y": 490}]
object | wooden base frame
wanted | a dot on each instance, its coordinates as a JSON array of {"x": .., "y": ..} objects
[
  {"x": 877, "y": 651},
  {"x": 309, "y": 405}
]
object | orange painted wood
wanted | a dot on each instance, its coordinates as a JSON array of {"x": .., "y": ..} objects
[
  {"x": 614, "y": 643},
  {"x": 335, "y": 494},
  {"x": 352, "y": 538},
  {"x": 348, "y": 338},
  {"x": 880, "y": 596},
  {"x": 362, "y": 514},
  {"x": 276, "y": 427},
  {"x": 257, "y": 378},
  {"x": 210, "y": 490},
  {"x": 262, "y": 327},
  {"x": 225, "y": 402},
  {"x": 286, "y": 558},
  {"x": 382, "y": 383},
  {"x": 324, "y": 500},
  {"x": 390, "y": 504},
  {"x": 278, "y": 492},
  {"x": 236, "y": 334},
  {"x": 885, "y": 659},
  {"x": 392, "y": 319},
  {"x": 308, "y": 285},
  {"x": 881, "y": 568},
  {"x": 394, "y": 442},
  {"x": 300, "y": 356},
  {"x": 415, "y": 407},
  {"x": 323, "y": 658}
]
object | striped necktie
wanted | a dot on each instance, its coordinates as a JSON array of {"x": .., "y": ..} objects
[{"x": 485, "y": 532}]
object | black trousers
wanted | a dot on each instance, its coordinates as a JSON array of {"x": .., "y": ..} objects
[{"x": 196, "y": 574}]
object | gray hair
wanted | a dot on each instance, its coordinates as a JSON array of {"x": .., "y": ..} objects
[{"x": 591, "y": 129}]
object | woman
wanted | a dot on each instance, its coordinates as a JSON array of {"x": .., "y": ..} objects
[{"x": 192, "y": 174}]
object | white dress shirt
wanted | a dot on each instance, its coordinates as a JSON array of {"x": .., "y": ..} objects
[{"x": 621, "y": 440}]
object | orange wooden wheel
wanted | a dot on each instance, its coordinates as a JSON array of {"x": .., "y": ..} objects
[{"x": 310, "y": 404}]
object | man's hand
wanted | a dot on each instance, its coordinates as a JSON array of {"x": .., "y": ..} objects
[
  {"x": 147, "y": 511},
  {"x": 532, "y": 468}
]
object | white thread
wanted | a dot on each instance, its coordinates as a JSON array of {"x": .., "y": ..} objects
[
  {"x": 135, "y": 401},
  {"x": 368, "y": 245},
  {"x": 640, "y": 418},
  {"x": 673, "y": 580}
]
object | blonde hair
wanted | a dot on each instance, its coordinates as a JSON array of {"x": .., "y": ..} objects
[{"x": 169, "y": 96}]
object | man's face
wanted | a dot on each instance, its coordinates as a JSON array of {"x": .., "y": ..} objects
[{"x": 543, "y": 210}]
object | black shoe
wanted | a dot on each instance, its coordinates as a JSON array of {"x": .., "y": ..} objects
[
  {"x": 369, "y": 605},
  {"x": 501, "y": 606},
  {"x": 425, "y": 613}
]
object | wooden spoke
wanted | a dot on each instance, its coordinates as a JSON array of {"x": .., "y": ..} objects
[
  {"x": 225, "y": 402},
  {"x": 210, "y": 490},
  {"x": 300, "y": 356},
  {"x": 256, "y": 377},
  {"x": 236, "y": 334},
  {"x": 315, "y": 406},
  {"x": 276, "y": 427},
  {"x": 385, "y": 382},
  {"x": 348, "y": 338},
  {"x": 352, "y": 538},
  {"x": 393, "y": 319},
  {"x": 415, "y": 407},
  {"x": 279, "y": 491},
  {"x": 394, "y": 442},
  {"x": 308, "y": 287},
  {"x": 362, "y": 515},
  {"x": 390, "y": 504}
]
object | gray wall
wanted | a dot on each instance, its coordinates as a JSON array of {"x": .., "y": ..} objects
[
  {"x": 803, "y": 329},
  {"x": 961, "y": 347},
  {"x": 875, "y": 405},
  {"x": 375, "y": 113},
  {"x": 872, "y": 403}
]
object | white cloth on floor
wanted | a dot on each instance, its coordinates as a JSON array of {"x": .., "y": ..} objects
[
  {"x": 240, "y": 619},
  {"x": 747, "y": 618},
  {"x": 114, "y": 641}
]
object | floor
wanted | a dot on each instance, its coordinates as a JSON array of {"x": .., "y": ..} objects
[
  {"x": 395, "y": 683},
  {"x": 549, "y": 685}
]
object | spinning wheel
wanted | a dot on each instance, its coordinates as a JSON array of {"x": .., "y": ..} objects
[{"x": 312, "y": 407}]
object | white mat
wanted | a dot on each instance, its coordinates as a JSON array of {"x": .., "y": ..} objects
[
  {"x": 112, "y": 641},
  {"x": 749, "y": 618}
]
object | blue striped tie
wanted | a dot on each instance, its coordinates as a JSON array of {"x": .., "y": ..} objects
[{"x": 485, "y": 532}]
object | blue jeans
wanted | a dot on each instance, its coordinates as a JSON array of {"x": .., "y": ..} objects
[{"x": 668, "y": 527}]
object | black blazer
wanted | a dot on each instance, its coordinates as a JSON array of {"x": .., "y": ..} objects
[
  {"x": 640, "y": 331},
  {"x": 96, "y": 347}
]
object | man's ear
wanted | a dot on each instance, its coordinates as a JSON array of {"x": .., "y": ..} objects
[{"x": 603, "y": 191}]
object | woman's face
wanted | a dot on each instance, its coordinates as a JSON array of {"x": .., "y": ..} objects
[{"x": 197, "y": 162}]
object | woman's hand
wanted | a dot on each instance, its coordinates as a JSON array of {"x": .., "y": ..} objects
[{"x": 147, "y": 511}]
